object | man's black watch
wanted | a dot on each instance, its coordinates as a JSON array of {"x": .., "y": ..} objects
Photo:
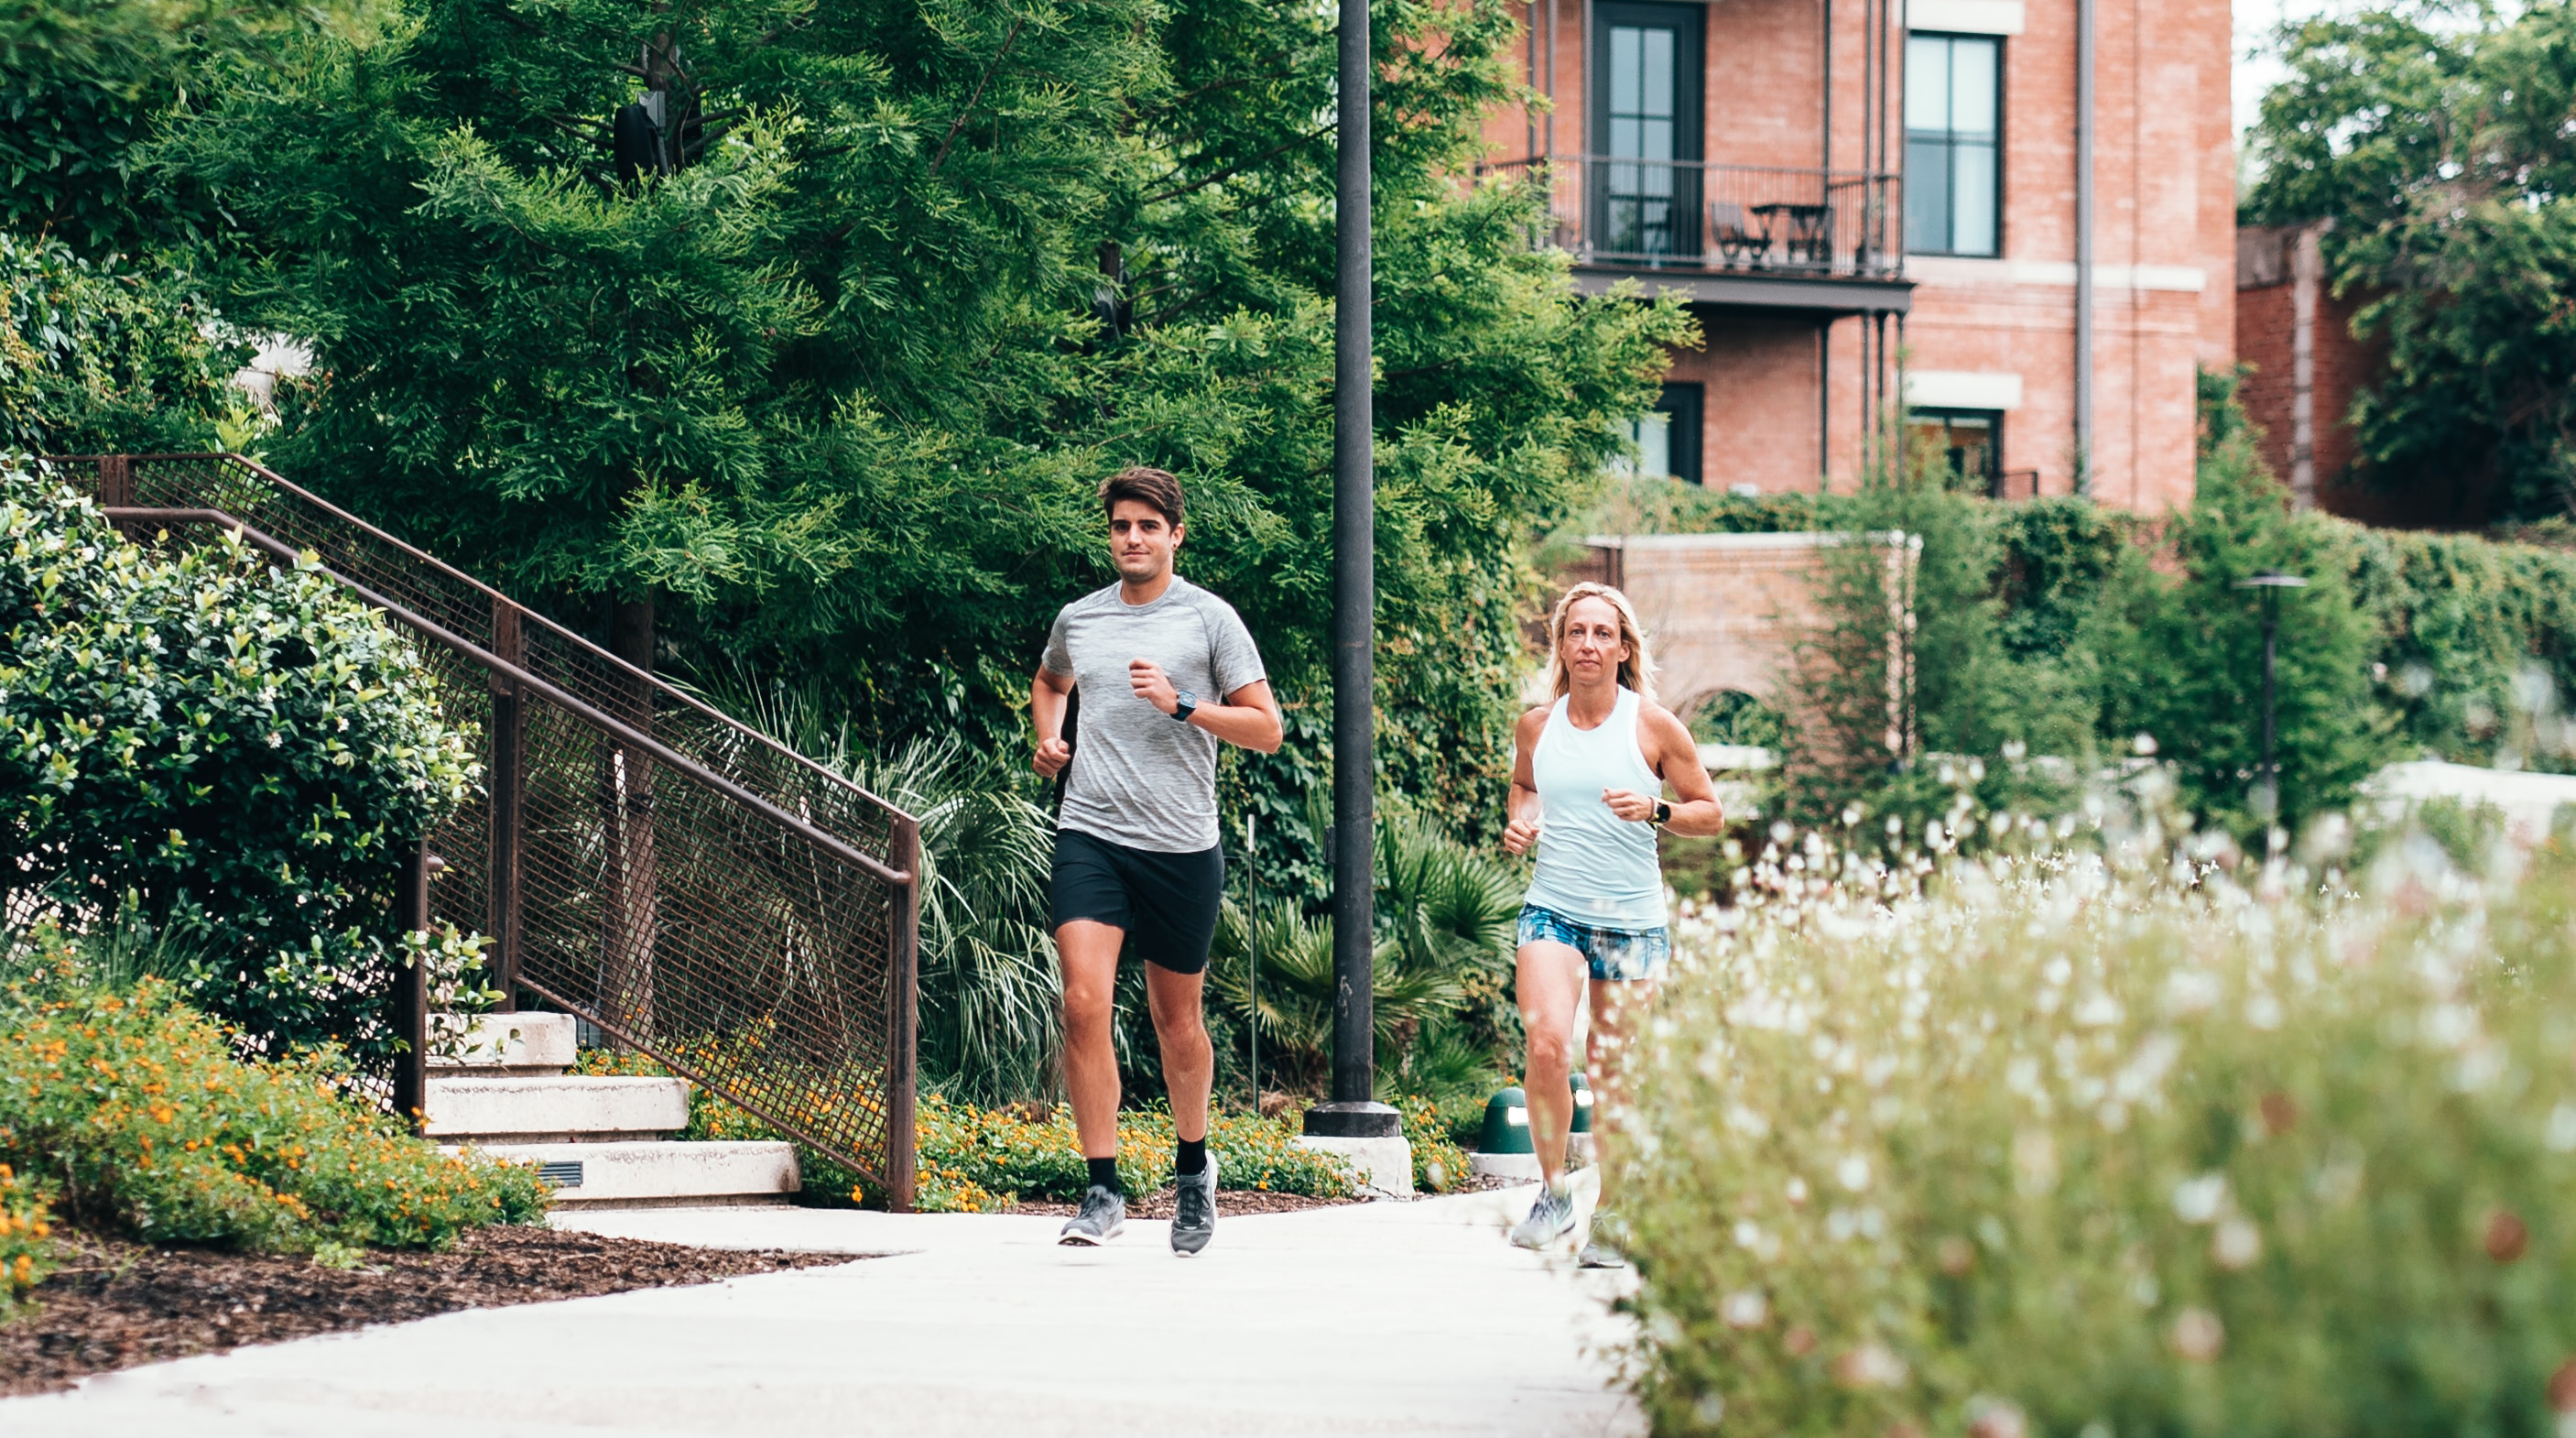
[
  {"x": 1188, "y": 705},
  {"x": 1663, "y": 812}
]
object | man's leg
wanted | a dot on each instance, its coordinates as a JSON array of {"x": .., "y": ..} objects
[
  {"x": 1548, "y": 980},
  {"x": 1189, "y": 1059},
  {"x": 1088, "y": 954}
]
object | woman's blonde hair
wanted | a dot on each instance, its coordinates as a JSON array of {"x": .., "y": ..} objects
[{"x": 1637, "y": 671}]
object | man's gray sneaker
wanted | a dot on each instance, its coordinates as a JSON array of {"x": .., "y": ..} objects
[
  {"x": 1103, "y": 1217},
  {"x": 1550, "y": 1218},
  {"x": 1194, "y": 1210}
]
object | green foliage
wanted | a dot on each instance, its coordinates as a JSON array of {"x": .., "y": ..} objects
[
  {"x": 2182, "y": 656},
  {"x": 1889, "y": 747},
  {"x": 2476, "y": 640},
  {"x": 137, "y": 1112},
  {"x": 989, "y": 998},
  {"x": 2435, "y": 139},
  {"x": 83, "y": 87},
  {"x": 1441, "y": 971},
  {"x": 1439, "y": 1159},
  {"x": 26, "y": 1225},
  {"x": 2125, "y": 1142},
  {"x": 971, "y": 1159},
  {"x": 107, "y": 356},
  {"x": 235, "y": 757},
  {"x": 836, "y": 394}
]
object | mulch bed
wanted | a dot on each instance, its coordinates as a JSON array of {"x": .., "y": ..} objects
[{"x": 115, "y": 1304}]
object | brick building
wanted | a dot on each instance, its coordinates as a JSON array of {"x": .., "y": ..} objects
[
  {"x": 2305, "y": 368},
  {"x": 1841, "y": 185}
]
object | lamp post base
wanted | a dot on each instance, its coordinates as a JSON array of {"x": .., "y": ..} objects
[{"x": 1353, "y": 1120}]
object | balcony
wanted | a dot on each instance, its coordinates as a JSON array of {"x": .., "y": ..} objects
[{"x": 1737, "y": 235}]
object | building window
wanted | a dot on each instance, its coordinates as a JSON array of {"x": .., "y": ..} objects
[
  {"x": 1967, "y": 443},
  {"x": 1666, "y": 437},
  {"x": 1954, "y": 104},
  {"x": 1644, "y": 168}
]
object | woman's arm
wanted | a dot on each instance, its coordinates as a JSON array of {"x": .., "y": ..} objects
[
  {"x": 1675, "y": 757},
  {"x": 1520, "y": 829}
]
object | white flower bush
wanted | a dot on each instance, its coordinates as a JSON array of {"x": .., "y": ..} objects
[{"x": 2143, "y": 1138}]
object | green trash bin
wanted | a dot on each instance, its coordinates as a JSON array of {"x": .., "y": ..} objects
[
  {"x": 1506, "y": 1124},
  {"x": 1582, "y": 1106}
]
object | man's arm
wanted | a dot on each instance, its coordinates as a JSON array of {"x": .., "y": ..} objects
[
  {"x": 1248, "y": 718},
  {"x": 1675, "y": 756},
  {"x": 1047, "y": 694}
]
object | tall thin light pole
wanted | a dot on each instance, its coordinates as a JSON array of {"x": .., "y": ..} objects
[
  {"x": 2267, "y": 776},
  {"x": 1351, "y": 1113},
  {"x": 2084, "y": 99}
]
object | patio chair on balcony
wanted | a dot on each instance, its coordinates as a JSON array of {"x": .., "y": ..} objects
[{"x": 1740, "y": 242}]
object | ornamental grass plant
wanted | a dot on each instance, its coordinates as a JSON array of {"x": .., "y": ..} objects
[
  {"x": 2154, "y": 1138},
  {"x": 134, "y": 1113}
]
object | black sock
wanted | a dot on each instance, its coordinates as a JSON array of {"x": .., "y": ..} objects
[
  {"x": 1191, "y": 1161},
  {"x": 1104, "y": 1173}
]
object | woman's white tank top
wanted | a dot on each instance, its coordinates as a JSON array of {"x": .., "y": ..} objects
[{"x": 1593, "y": 866}]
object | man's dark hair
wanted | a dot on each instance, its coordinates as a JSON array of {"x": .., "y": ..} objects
[{"x": 1152, "y": 486}]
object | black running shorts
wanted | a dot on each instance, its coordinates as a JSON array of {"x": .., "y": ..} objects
[{"x": 1167, "y": 903}]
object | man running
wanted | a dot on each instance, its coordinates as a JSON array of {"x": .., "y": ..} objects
[
  {"x": 1165, "y": 670},
  {"x": 1587, "y": 787}
]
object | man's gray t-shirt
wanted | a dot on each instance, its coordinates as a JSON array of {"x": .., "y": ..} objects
[{"x": 1140, "y": 777}]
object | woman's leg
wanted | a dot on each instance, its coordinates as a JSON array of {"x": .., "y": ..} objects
[
  {"x": 1549, "y": 980},
  {"x": 1619, "y": 1009}
]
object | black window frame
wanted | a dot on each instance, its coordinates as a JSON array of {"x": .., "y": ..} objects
[
  {"x": 1950, "y": 149},
  {"x": 1994, "y": 418},
  {"x": 1683, "y": 405},
  {"x": 1690, "y": 120}
]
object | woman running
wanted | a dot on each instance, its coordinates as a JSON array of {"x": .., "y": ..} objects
[{"x": 1587, "y": 790}]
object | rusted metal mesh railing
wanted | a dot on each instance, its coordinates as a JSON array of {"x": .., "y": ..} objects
[{"x": 636, "y": 858}]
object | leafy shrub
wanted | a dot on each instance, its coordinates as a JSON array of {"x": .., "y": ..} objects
[
  {"x": 1443, "y": 971},
  {"x": 971, "y": 1160},
  {"x": 232, "y": 755},
  {"x": 136, "y": 1110},
  {"x": 1439, "y": 1159},
  {"x": 104, "y": 355},
  {"x": 2151, "y": 1140},
  {"x": 26, "y": 1223}
]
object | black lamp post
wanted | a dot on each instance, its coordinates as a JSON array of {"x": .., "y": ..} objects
[
  {"x": 1351, "y": 1113},
  {"x": 2267, "y": 779}
]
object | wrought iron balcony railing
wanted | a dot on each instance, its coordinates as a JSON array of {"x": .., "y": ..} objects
[{"x": 1695, "y": 215}]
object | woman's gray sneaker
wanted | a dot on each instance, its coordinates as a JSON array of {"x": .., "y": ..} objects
[
  {"x": 1194, "y": 1210},
  {"x": 1599, "y": 1255},
  {"x": 1103, "y": 1217},
  {"x": 1550, "y": 1218}
]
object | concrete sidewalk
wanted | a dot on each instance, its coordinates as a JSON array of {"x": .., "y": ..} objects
[{"x": 1411, "y": 1318}]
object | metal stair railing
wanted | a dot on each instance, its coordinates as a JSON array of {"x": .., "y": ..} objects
[{"x": 637, "y": 858}]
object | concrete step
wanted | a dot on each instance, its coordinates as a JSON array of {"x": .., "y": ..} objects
[
  {"x": 649, "y": 1175},
  {"x": 522, "y": 1045},
  {"x": 554, "y": 1109}
]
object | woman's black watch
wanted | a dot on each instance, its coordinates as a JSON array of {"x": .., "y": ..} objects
[{"x": 1663, "y": 812}]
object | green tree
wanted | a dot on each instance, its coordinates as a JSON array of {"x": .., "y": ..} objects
[
  {"x": 105, "y": 355},
  {"x": 2181, "y": 654},
  {"x": 830, "y": 396},
  {"x": 84, "y": 84},
  {"x": 2435, "y": 138}
]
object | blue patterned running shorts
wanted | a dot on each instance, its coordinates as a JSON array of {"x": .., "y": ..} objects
[{"x": 1616, "y": 955}]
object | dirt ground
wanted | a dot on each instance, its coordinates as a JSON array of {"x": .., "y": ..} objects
[{"x": 114, "y": 1304}]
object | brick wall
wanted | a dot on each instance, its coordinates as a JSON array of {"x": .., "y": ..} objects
[{"x": 2164, "y": 242}]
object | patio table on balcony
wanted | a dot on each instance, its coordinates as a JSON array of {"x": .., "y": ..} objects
[{"x": 1810, "y": 237}]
